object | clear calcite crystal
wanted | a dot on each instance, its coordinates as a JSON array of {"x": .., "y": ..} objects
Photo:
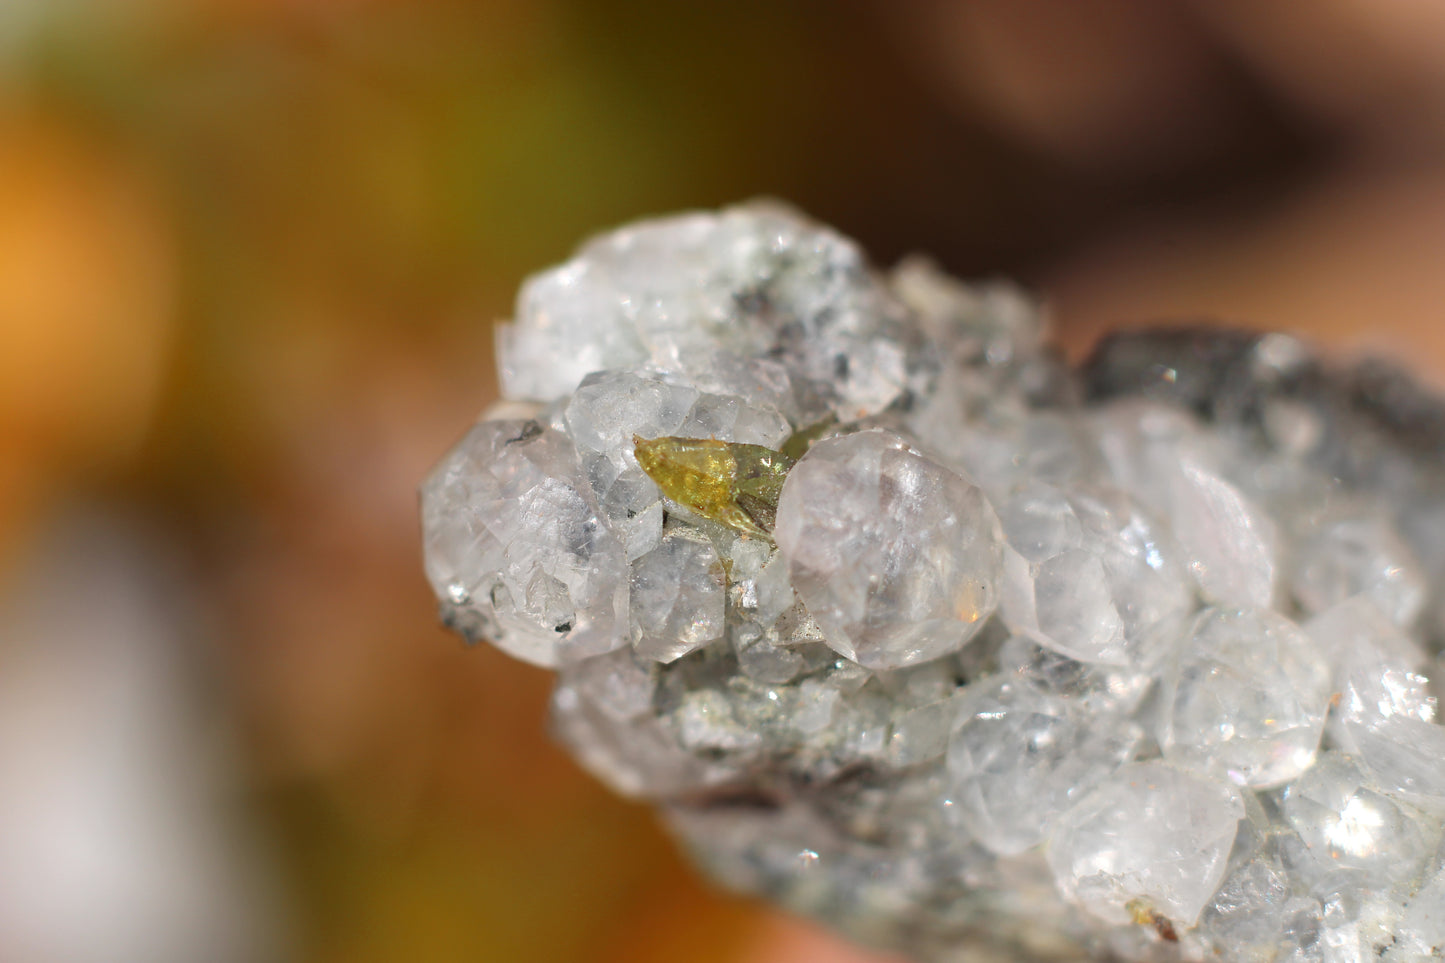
[
  {"x": 895, "y": 556},
  {"x": 1090, "y": 574},
  {"x": 1020, "y": 755},
  {"x": 517, "y": 548},
  {"x": 905, "y": 624},
  {"x": 1152, "y": 842},
  {"x": 677, "y": 597},
  {"x": 1246, "y": 697}
]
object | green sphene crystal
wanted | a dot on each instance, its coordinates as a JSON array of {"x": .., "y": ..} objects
[{"x": 736, "y": 485}]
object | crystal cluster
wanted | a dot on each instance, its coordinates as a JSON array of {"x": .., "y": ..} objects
[{"x": 903, "y": 623}]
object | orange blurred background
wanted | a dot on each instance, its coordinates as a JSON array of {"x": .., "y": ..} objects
[{"x": 250, "y": 255}]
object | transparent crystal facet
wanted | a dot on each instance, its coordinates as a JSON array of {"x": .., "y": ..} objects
[
  {"x": 1152, "y": 835},
  {"x": 518, "y": 549},
  {"x": 1019, "y": 756},
  {"x": 895, "y": 556},
  {"x": 1089, "y": 575},
  {"x": 1246, "y": 698}
]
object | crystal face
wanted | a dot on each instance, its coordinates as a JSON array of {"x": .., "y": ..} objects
[
  {"x": 1151, "y": 840},
  {"x": 1090, "y": 574},
  {"x": 517, "y": 547},
  {"x": 894, "y": 555},
  {"x": 737, "y": 485},
  {"x": 1246, "y": 697},
  {"x": 1020, "y": 755},
  {"x": 906, "y": 625}
]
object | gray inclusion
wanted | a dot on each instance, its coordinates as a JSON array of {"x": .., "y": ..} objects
[{"x": 1134, "y": 662}]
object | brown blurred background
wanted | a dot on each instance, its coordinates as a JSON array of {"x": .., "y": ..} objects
[{"x": 250, "y": 255}]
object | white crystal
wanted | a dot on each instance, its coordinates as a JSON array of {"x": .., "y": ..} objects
[
  {"x": 1421, "y": 934},
  {"x": 516, "y": 541},
  {"x": 1247, "y": 915},
  {"x": 764, "y": 383},
  {"x": 921, "y": 735},
  {"x": 1089, "y": 575},
  {"x": 609, "y": 407},
  {"x": 1343, "y": 925},
  {"x": 618, "y": 683},
  {"x": 1360, "y": 555},
  {"x": 775, "y": 590},
  {"x": 730, "y": 418},
  {"x": 1142, "y": 444},
  {"x": 1385, "y": 706},
  {"x": 996, "y": 322},
  {"x": 1019, "y": 756},
  {"x": 1246, "y": 698},
  {"x": 1377, "y": 668},
  {"x": 895, "y": 556},
  {"x": 1404, "y": 755},
  {"x": 1348, "y": 824},
  {"x": 996, "y": 440},
  {"x": 607, "y": 410},
  {"x": 759, "y": 659},
  {"x": 706, "y": 721},
  {"x": 1151, "y": 833},
  {"x": 817, "y": 703},
  {"x": 1423, "y": 526},
  {"x": 751, "y": 281},
  {"x": 1231, "y": 545},
  {"x": 677, "y": 597},
  {"x": 625, "y": 296},
  {"x": 1103, "y": 689}
]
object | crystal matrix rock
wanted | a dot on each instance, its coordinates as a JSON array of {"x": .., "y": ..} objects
[{"x": 906, "y": 625}]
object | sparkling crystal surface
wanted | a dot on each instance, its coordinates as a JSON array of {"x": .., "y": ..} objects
[
  {"x": 905, "y": 624},
  {"x": 1090, "y": 574},
  {"x": 1246, "y": 697}
]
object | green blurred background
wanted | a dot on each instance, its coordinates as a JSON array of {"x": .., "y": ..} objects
[{"x": 250, "y": 256}]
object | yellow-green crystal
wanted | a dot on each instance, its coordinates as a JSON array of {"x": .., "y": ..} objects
[
  {"x": 736, "y": 485},
  {"x": 801, "y": 440}
]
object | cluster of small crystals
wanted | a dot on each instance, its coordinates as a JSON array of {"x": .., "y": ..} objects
[{"x": 908, "y": 626}]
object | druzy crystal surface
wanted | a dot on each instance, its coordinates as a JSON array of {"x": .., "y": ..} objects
[{"x": 905, "y": 624}]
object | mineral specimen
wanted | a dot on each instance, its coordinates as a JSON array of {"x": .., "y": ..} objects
[{"x": 903, "y": 623}]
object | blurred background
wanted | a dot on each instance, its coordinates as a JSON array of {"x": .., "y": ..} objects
[{"x": 250, "y": 256}]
